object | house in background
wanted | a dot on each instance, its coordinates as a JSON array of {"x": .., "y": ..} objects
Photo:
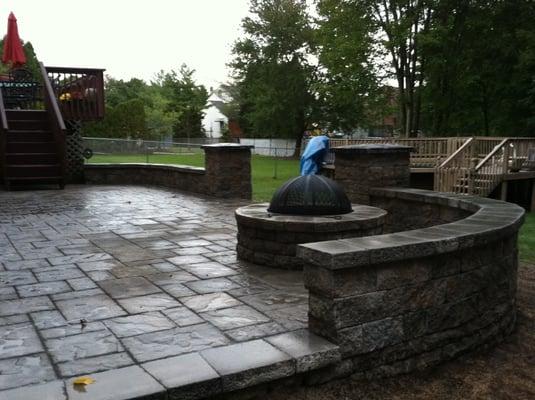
[{"x": 214, "y": 121}]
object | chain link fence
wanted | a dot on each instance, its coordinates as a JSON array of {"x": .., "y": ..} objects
[{"x": 275, "y": 155}]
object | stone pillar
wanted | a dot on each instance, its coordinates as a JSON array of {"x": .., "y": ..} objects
[
  {"x": 358, "y": 168},
  {"x": 228, "y": 170}
]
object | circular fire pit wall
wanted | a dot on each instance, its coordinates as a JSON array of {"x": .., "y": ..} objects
[{"x": 308, "y": 209}]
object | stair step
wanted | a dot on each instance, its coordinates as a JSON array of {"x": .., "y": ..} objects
[
  {"x": 39, "y": 115},
  {"x": 30, "y": 147},
  {"x": 27, "y": 124},
  {"x": 31, "y": 158},
  {"x": 24, "y": 136},
  {"x": 34, "y": 180},
  {"x": 32, "y": 170}
]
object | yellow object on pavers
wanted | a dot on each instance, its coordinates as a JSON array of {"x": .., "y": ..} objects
[{"x": 83, "y": 380}]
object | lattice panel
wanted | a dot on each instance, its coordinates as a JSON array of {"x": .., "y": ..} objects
[{"x": 74, "y": 148}]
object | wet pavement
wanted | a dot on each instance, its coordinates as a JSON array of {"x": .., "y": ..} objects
[{"x": 131, "y": 281}]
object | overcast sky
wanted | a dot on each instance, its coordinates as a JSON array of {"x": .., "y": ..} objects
[{"x": 131, "y": 38}]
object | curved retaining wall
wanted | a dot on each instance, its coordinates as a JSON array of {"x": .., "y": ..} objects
[
  {"x": 227, "y": 173},
  {"x": 408, "y": 300}
]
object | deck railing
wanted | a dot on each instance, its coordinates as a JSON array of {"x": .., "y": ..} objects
[
  {"x": 3, "y": 138},
  {"x": 480, "y": 165},
  {"x": 428, "y": 152},
  {"x": 56, "y": 121},
  {"x": 79, "y": 92},
  {"x": 464, "y": 165}
]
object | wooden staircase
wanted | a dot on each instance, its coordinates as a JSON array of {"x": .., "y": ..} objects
[
  {"x": 31, "y": 155},
  {"x": 32, "y": 122}
]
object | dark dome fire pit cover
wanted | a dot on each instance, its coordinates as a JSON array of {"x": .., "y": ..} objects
[{"x": 310, "y": 195}]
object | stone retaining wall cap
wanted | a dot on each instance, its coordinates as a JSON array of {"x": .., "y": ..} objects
[
  {"x": 373, "y": 149},
  {"x": 233, "y": 146}
]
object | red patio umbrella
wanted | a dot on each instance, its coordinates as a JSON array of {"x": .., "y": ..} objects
[{"x": 13, "y": 51}]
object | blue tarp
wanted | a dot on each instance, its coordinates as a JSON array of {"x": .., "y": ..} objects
[{"x": 313, "y": 155}]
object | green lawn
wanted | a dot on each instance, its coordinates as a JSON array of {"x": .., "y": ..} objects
[
  {"x": 526, "y": 239},
  {"x": 264, "y": 168}
]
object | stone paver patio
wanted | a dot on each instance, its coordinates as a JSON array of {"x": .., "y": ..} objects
[{"x": 141, "y": 285}]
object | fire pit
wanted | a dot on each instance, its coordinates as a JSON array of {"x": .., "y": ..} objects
[{"x": 306, "y": 209}]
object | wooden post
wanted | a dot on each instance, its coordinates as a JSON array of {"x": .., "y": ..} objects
[
  {"x": 503, "y": 194},
  {"x": 532, "y": 205}
]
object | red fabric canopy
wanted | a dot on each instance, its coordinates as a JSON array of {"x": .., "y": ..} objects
[{"x": 13, "y": 51}]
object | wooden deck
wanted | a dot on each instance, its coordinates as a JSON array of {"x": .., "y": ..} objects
[
  {"x": 33, "y": 121},
  {"x": 467, "y": 165}
]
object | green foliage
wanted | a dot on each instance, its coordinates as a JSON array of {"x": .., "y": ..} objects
[
  {"x": 185, "y": 100},
  {"x": 32, "y": 63},
  {"x": 126, "y": 120},
  {"x": 272, "y": 70},
  {"x": 349, "y": 90},
  {"x": 526, "y": 239},
  {"x": 170, "y": 106},
  {"x": 481, "y": 68}
]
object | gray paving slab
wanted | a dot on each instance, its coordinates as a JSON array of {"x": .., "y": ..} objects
[
  {"x": 138, "y": 324},
  {"x": 209, "y": 302},
  {"x": 172, "y": 342},
  {"x": 150, "y": 302},
  {"x": 24, "y": 306},
  {"x": 249, "y": 363},
  {"x": 182, "y": 316},
  {"x": 117, "y": 384},
  {"x": 18, "y": 340},
  {"x": 234, "y": 317},
  {"x": 48, "y": 319},
  {"x": 90, "y": 308},
  {"x": 212, "y": 285},
  {"x": 85, "y": 366},
  {"x": 43, "y": 289},
  {"x": 119, "y": 276},
  {"x": 128, "y": 287},
  {"x": 208, "y": 270},
  {"x": 84, "y": 345},
  {"x": 186, "y": 377},
  {"x": 310, "y": 351},
  {"x": 25, "y": 370},
  {"x": 251, "y": 332},
  {"x": 54, "y": 390}
]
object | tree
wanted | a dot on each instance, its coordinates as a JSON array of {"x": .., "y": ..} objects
[
  {"x": 185, "y": 99},
  {"x": 126, "y": 120},
  {"x": 272, "y": 69},
  {"x": 349, "y": 86},
  {"x": 119, "y": 91},
  {"x": 480, "y": 68}
]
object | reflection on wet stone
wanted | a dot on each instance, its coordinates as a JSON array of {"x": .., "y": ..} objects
[
  {"x": 151, "y": 302},
  {"x": 89, "y": 308},
  {"x": 18, "y": 340},
  {"x": 229, "y": 318},
  {"x": 208, "y": 302},
  {"x": 137, "y": 324},
  {"x": 151, "y": 346},
  {"x": 182, "y": 316},
  {"x": 212, "y": 285},
  {"x": 26, "y": 370},
  {"x": 82, "y": 346}
]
